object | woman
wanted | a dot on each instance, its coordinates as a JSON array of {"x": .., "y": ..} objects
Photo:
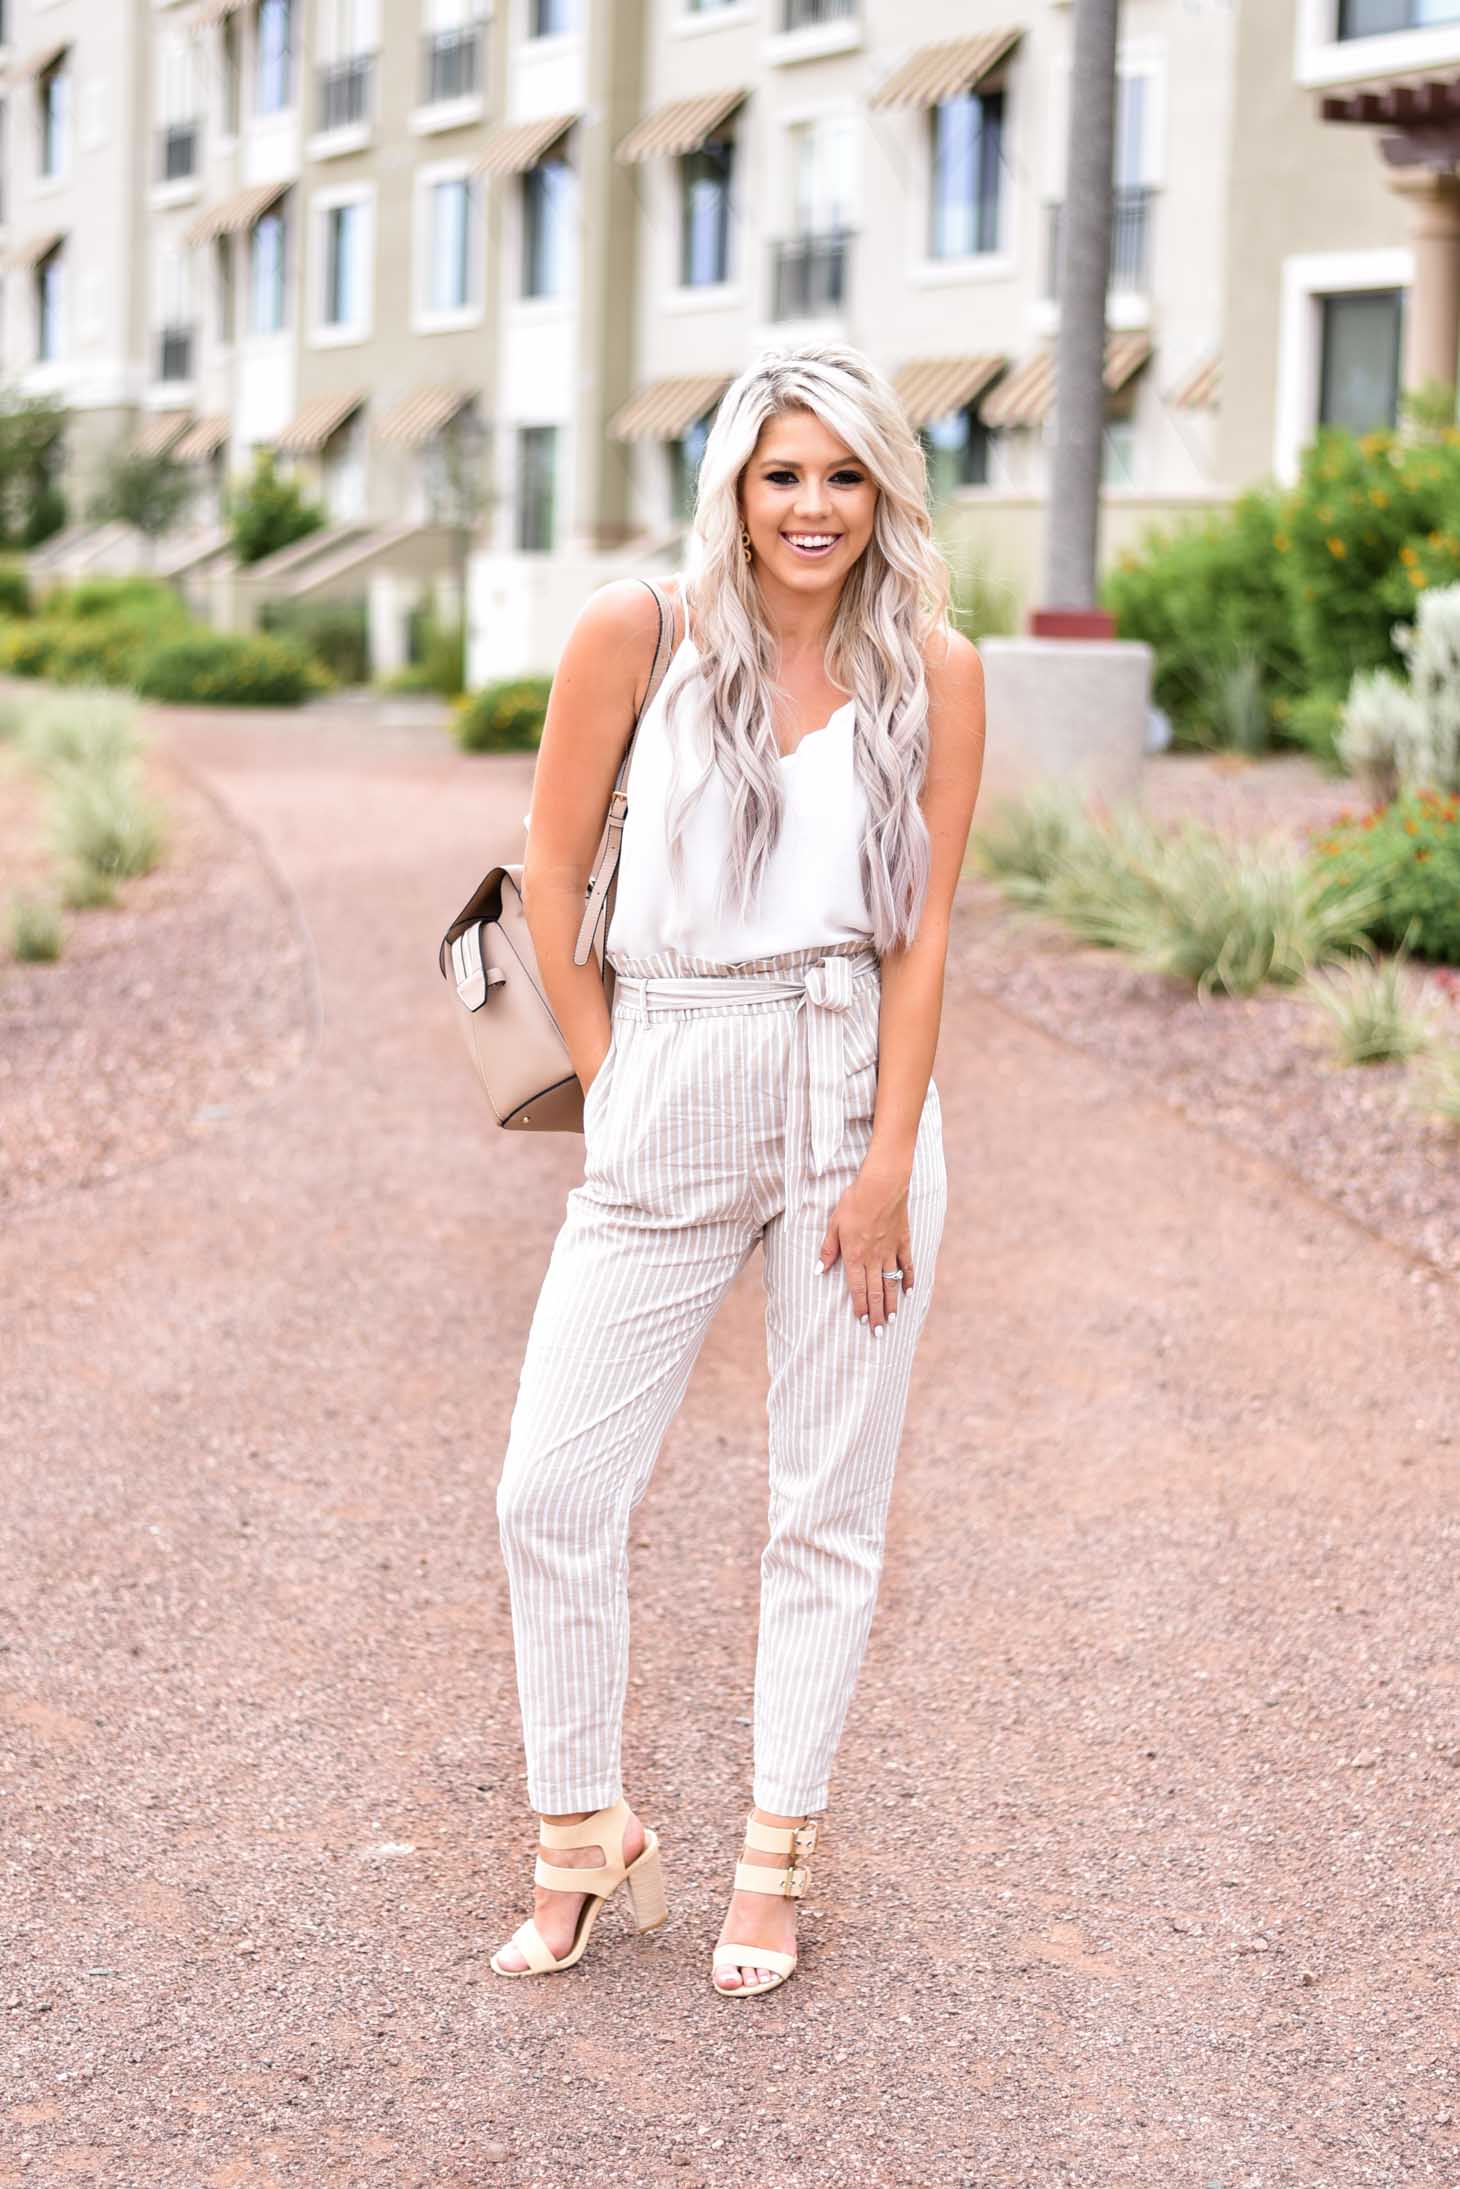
[{"x": 778, "y": 940}]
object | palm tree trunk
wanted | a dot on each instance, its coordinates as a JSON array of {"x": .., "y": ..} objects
[{"x": 1071, "y": 544}]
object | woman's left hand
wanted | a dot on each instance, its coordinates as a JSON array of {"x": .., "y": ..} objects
[{"x": 869, "y": 1230}]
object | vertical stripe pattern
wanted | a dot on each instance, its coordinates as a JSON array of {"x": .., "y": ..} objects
[{"x": 712, "y": 1126}]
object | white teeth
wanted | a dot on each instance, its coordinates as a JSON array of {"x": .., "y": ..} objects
[{"x": 812, "y": 539}]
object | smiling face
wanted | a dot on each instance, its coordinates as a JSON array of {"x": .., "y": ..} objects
[{"x": 807, "y": 504}]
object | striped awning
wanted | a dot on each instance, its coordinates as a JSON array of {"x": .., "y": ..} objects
[
  {"x": 931, "y": 387},
  {"x": 41, "y": 58},
  {"x": 1026, "y": 398},
  {"x": 1201, "y": 389},
  {"x": 160, "y": 431},
  {"x": 944, "y": 70},
  {"x": 682, "y": 126},
  {"x": 421, "y": 416},
  {"x": 231, "y": 215},
  {"x": 202, "y": 440},
  {"x": 314, "y": 422},
  {"x": 212, "y": 11},
  {"x": 520, "y": 145},
  {"x": 664, "y": 409},
  {"x": 22, "y": 256}
]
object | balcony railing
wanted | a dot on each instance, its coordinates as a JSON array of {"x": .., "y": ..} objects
[
  {"x": 177, "y": 151},
  {"x": 805, "y": 14},
  {"x": 451, "y": 64},
  {"x": 809, "y": 273},
  {"x": 343, "y": 91},
  {"x": 1130, "y": 223},
  {"x": 175, "y": 353}
]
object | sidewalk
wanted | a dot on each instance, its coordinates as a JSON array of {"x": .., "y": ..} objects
[{"x": 1140, "y": 1868}]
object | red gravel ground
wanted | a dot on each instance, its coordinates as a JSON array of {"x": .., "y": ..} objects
[{"x": 1140, "y": 1870}]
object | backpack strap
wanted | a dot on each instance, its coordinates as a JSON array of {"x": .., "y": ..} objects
[{"x": 600, "y": 885}]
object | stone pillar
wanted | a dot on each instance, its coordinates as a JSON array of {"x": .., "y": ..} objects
[{"x": 1432, "y": 314}]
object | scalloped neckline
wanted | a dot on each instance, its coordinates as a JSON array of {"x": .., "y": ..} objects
[{"x": 830, "y": 723}]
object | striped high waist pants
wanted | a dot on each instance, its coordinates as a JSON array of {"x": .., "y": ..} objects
[{"x": 733, "y": 1108}]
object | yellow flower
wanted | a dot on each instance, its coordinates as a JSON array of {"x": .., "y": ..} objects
[
  {"x": 1378, "y": 497},
  {"x": 1336, "y": 546},
  {"x": 1280, "y": 542},
  {"x": 1408, "y": 554},
  {"x": 1417, "y": 577}
]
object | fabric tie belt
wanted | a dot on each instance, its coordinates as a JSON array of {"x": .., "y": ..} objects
[{"x": 823, "y": 995}]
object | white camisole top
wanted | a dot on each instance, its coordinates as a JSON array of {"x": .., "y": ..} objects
[{"x": 811, "y": 887}]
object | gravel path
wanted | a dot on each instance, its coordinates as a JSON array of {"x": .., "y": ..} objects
[{"x": 1140, "y": 1866}]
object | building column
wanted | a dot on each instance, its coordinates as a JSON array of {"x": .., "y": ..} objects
[
  {"x": 1432, "y": 315},
  {"x": 607, "y": 275}
]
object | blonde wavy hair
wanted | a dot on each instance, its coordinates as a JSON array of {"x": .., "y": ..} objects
[{"x": 893, "y": 598}]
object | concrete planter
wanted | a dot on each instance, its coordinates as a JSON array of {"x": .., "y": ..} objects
[{"x": 1064, "y": 710}]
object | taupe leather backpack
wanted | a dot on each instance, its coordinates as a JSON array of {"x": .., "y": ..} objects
[{"x": 511, "y": 1035}]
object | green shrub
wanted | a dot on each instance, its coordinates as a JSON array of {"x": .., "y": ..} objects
[
  {"x": 230, "y": 669},
  {"x": 98, "y": 650},
  {"x": 1206, "y": 598},
  {"x": 1371, "y": 520},
  {"x": 35, "y": 929},
  {"x": 15, "y": 599},
  {"x": 505, "y": 716},
  {"x": 144, "y": 599},
  {"x": 268, "y": 513},
  {"x": 1438, "y": 1083},
  {"x": 102, "y": 819},
  {"x": 1373, "y": 1011},
  {"x": 1314, "y": 721},
  {"x": 82, "y": 728},
  {"x": 1019, "y": 841},
  {"x": 336, "y": 633},
  {"x": 437, "y": 652},
  {"x": 83, "y": 887},
  {"x": 1408, "y": 852},
  {"x": 45, "y": 516}
]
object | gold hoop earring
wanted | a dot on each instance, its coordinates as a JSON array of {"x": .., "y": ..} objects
[{"x": 745, "y": 543}]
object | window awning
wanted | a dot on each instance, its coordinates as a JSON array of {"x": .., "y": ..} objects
[
  {"x": 944, "y": 70},
  {"x": 1026, "y": 398},
  {"x": 202, "y": 440},
  {"x": 159, "y": 432},
  {"x": 314, "y": 422},
  {"x": 931, "y": 387},
  {"x": 421, "y": 415},
  {"x": 38, "y": 60},
  {"x": 1201, "y": 389},
  {"x": 231, "y": 215},
  {"x": 1429, "y": 95},
  {"x": 520, "y": 145},
  {"x": 682, "y": 126},
  {"x": 664, "y": 409},
  {"x": 213, "y": 11},
  {"x": 22, "y": 256}
]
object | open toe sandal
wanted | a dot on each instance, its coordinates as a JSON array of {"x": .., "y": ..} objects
[
  {"x": 796, "y": 1840},
  {"x": 644, "y": 1875}
]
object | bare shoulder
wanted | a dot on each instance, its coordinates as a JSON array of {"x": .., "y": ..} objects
[
  {"x": 609, "y": 651},
  {"x": 954, "y": 669}
]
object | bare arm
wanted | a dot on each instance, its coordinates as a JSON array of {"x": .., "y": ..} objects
[
  {"x": 870, "y": 1227},
  {"x": 600, "y": 680}
]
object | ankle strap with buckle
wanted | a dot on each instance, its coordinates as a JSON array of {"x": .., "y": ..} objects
[{"x": 797, "y": 1840}]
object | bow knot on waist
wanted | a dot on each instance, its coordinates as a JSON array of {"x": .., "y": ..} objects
[{"x": 829, "y": 983}]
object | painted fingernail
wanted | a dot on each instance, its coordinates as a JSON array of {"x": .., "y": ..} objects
[
  {"x": 861, "y": 1318},
  {"x": 821, "y": 1269},
  {"x": 879, "y": 1329}
]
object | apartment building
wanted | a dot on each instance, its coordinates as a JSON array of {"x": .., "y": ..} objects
[
  {"x": 480, "y": 273},
  {"x": 72, "y": 210},
  {"x": 1343, "y": 274}
]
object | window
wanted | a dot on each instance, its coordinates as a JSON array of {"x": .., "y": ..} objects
[
  {"x": 809, "y": 267},
  {"x": 451, "y": 52},
  {"x": 968, "y": 135},
  {"x": 274, "y": 56},
  {"x": 174, "y": 314},
  {"x": 537, "y": 449},
  {"x": 48, "y": 302},
  {"x": 807, "y": 14},
  {"x": 346, "y": 32},
  {"x": 54, "y": 94},
  {"x": 1373, "y": 18},
  {"x": 1361, "y": 344},
  {"x": 342, "y": 469},
  {"x": 345, "y": 240},
  {"x": 450, "y": 244},
  {"x": 957, "y": 449},
  {"x": 547, "y": 18},
  {"x": 547, "y": 205},
  {"x": 267, "y": 242},
  {"x": 704, "y": 225},
  {"x": 685, "y": 457},
  {"x": 224, "y": 289}
]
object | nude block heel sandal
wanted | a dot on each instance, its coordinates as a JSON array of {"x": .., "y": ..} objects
[
  {"x": 796, "y": 1840},
  {"x": 645, "y": 1878}
]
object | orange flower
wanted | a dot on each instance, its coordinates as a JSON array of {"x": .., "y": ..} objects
[
  {"x": 1408, "y": 554},
  {"x": 1336, "y": 546},
  {"x": 1411, "y": 828}
]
